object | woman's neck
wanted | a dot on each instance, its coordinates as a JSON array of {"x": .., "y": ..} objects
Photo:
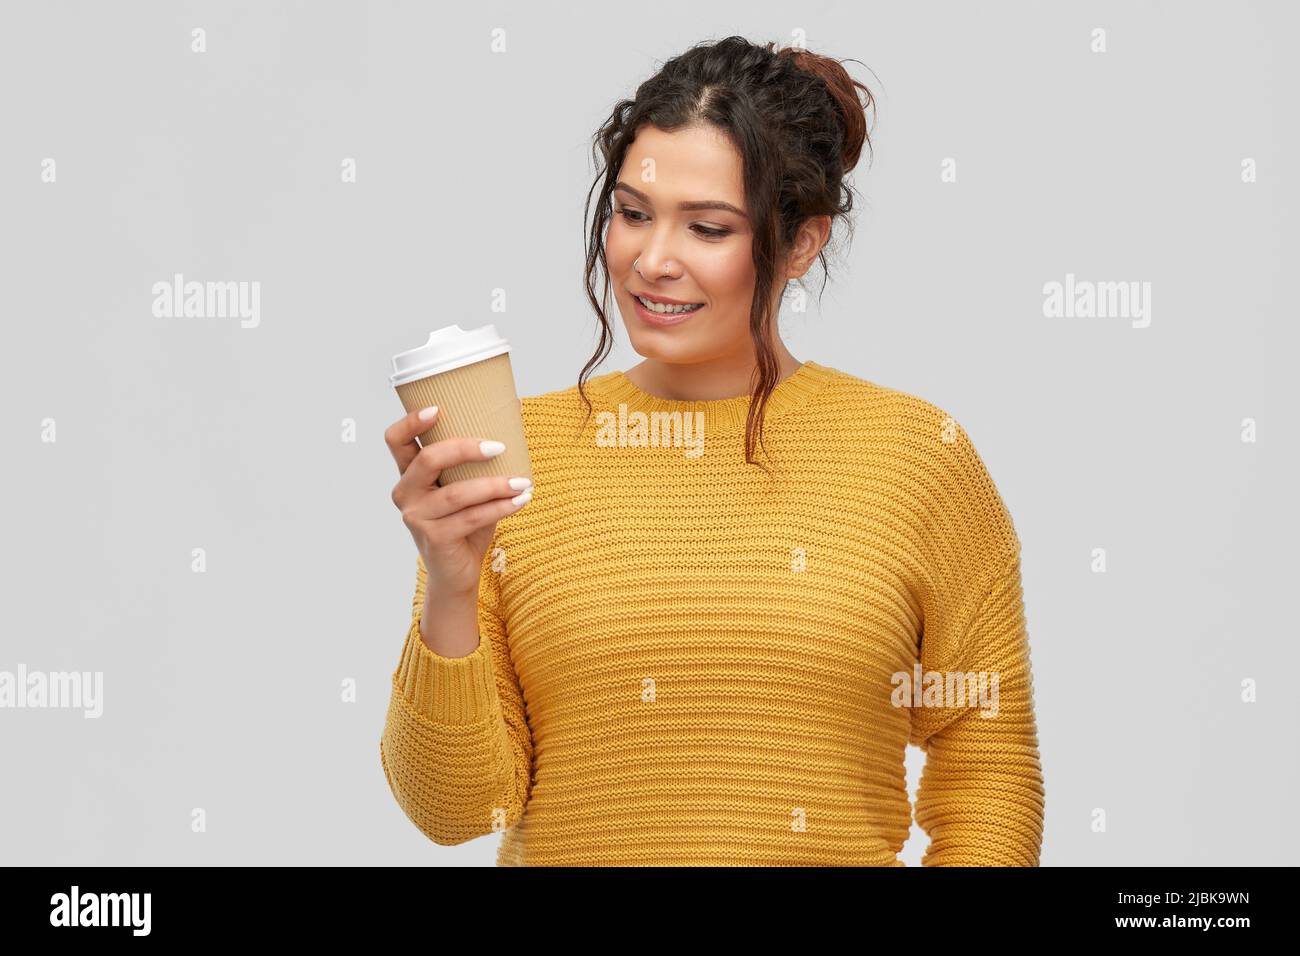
[{"x": 705, "y": 381}]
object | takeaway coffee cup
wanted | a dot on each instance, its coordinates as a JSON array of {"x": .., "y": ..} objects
[{"x": 467, "y": 374}]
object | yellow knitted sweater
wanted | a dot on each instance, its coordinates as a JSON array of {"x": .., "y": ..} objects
[{"x": 684, "y": 661}]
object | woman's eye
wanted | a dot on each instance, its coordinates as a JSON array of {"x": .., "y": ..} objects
[{"x": 628, "y": 213}]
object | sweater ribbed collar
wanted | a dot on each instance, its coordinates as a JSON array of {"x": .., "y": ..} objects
[{"x": 721, "y": 414}]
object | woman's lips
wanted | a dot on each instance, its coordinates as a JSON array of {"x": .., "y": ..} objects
[{"x": 656, "y": 318}]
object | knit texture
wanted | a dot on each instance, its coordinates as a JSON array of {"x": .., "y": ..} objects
[{"x": 686, "y": 661}]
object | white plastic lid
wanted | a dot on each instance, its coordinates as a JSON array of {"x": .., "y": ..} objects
[{"x": 449, "y": 347}]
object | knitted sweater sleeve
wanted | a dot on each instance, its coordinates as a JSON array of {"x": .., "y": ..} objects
[
  {"x": 456, "y": 748},
  {"x": 980, "y": 798}
]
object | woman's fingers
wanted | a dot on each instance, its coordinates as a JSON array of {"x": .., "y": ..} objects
[
  {"x": 400, "y": 436},
  {"x": 460, "y": 495},
  {"x": 431, "y": 461},
  {"x": 455, "y": 526}
]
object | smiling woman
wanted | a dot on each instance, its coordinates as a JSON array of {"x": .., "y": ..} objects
[
  {"x": 720, "y": 182},
  {"x": 678, "y": 658}
]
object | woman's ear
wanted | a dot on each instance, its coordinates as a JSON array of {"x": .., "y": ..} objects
[{"x": 813, "y": 234}]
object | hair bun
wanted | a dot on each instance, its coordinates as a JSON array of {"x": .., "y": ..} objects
[{"x": 843, "y": 89}]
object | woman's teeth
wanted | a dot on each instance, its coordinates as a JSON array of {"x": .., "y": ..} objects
[{"x": 667, "y": 309}]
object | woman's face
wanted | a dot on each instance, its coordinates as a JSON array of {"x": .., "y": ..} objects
[{"x": 696, "y": 255}]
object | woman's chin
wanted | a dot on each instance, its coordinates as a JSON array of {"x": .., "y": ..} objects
[{"x": 651, "y": 346}]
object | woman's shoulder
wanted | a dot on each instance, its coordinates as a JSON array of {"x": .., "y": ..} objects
[
  {"x": 926, "y": 444},
  {"x": 878, "y": 406}
]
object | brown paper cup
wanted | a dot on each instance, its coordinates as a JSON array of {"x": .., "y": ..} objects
[{"x": 478, "y": 400}]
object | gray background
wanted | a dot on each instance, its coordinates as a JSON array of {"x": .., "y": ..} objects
[{"x": 222, "y": 689}]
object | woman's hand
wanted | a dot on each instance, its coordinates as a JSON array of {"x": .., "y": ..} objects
[{"x": 452, "y": 525}]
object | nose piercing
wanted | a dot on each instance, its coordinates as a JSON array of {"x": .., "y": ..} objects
[{"x": 637, "y": 260}]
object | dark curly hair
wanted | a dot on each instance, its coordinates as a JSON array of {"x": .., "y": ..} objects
[{"x": 797, "y": 122}]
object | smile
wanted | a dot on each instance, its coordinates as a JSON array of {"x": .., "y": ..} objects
[{"x": 662, "y": 318}]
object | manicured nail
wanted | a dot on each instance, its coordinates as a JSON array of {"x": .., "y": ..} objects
[
  {"x": 523, "y": 499},
  {"x": 427, "y": 413},
  {"x": 491, "y": 448},
  {"x": 519, "y": 484}
]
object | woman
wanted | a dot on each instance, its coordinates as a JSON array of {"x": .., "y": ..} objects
[{"x": 680, "y": 653}]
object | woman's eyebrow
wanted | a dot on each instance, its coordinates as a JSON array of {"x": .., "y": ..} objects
[{"x": 687, "y": 206}]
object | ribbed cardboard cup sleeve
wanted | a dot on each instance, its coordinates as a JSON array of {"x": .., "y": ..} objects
[{"x": 477, "y": 401}]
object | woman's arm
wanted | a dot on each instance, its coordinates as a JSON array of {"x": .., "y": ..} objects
[
  {"x": 456, "y": 749},
  {"x": 981, "y": 795}
]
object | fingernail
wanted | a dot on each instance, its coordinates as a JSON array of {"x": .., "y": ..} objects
[
  {"x": 427, "y": 413},
  {"x": 519, "y": 484},
  {"x": 491, "y": 448},
  {"x": 523, "y": 499}
]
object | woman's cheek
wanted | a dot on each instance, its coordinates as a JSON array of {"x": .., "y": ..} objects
[{"x": 617, "y": 252}]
